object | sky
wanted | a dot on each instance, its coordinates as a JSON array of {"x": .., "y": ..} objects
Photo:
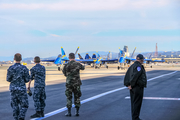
[{"x": 42, "y": 27}]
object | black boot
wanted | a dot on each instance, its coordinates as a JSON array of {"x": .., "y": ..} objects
[
  {"x": 69, "y": 112},
  {"x": 77, "y": 111},
  {"x": 42, "y": 113},
  {"x": 36, "y": 115}
]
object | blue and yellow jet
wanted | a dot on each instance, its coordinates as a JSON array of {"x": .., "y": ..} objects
[
  {"x": 61, "y": 59},
  {"x": 126, "y": 60},
  {"x": 96, "y": 60}
]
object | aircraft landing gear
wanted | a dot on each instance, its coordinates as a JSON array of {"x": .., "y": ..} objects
[
  {"x": 107, "y": 67},
  {"x": 59, "y": 69},
  {"x": 120, "y": 68},
  {"x": 97, "y": 67},
  {"x": 92, "y": 65}
]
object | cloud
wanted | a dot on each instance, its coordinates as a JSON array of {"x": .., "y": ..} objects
[
  {"x": 88, "y": 5},
  {"x": 54, "y": 35},
  {"x": 84, "y": 23},
  {"x": 21, "y": 22},
  {"x": 12, "y": 19}
]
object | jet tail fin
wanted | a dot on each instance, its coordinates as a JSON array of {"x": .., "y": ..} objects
[
  {"x": 120, "y": 53},
  {"x": 87, "y": 56},
  {"x": 98, "y": 56},
  {"x": 94, "y": 56},
  {"x": 108, "y": 56},
  {"x": 80, "y": 57},
  {"x": 133, "y": 52},
  {"x": 62, "y": 51},
  {"x": 76, "y": 51},
  {"x": 59, "y": 56},
  {"x": 121, "y": 57},
  {"x": 150, "y": 55}
]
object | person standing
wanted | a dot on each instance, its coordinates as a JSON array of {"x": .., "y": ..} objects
[
  {"x": 73, "y": 83},
  {"x": 18, "y": 75},
  {"x": 38, "y": 74},
  {"x": 135, "y": 79}
]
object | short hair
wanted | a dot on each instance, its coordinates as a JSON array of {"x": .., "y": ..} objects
[
  {"x": 17, "y": 57},
  {"x": 71, "y": 56},
  {"x": 37, "y": 59}
]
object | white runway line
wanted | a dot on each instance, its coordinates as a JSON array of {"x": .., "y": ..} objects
[
  {"x": 157, "y": 98},
  {"x": 93, "y": 98}
]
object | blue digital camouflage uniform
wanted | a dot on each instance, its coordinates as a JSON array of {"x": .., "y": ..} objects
[
  {"x": 18, "y": 75},
  {"x": 38, "y": 74},
  {"x": 73, "y": 82}
]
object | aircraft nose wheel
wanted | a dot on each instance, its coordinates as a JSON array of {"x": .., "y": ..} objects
[
  {"x": 118, "y": 68},
  {"x": 107, "y": 67},
  {"x": 59, "y": 69}
]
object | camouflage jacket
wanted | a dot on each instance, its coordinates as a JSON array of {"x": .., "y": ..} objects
[
  {"x": 38, "y": 73},
  {"x": 71, "y": 71},
  {"x": 18, "y": 75}
]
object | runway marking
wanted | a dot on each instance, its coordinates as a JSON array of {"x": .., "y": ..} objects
[
  {"x": 157, "y": 98},
  {"x": 93, "y": 98}
]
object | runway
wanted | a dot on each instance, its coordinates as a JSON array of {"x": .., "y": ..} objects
[{"x": 111, "y": 106}]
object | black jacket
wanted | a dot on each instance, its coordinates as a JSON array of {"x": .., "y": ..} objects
[{"x": 135, "y": 75}]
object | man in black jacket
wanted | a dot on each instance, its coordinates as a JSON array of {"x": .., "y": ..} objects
[{"x": 135, "y": 79}]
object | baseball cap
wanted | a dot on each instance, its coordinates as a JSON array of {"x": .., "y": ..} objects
[{"x": 140, "y": 56}]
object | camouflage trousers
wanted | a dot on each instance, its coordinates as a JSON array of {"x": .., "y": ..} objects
[
  {"x": 39, "y": 97},
  {"x": 19, "y": 103},
  {"x": 77, "y": 94}
]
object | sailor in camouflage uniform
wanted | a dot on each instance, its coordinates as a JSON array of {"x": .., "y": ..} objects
[
  {"x": 73, "y": 83},
  {"x": 18, "y": 75},
  {"x": 39, "y": 96}
]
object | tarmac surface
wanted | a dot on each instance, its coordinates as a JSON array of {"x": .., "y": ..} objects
[{"x": 104, "y": 96}]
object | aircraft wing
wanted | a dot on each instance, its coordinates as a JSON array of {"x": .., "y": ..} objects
[
  {"x": 150, "y": 60},
  {"x": 65, "y": 59},
  {"x": 158, "y": 61},
  {"x": 47, "y": 60},
  {"x": 110, "y": 60},
  {"x": 130, "y": 59},
  {"x": 85, "y": 61},
  {"x": 82, "y": 60}
]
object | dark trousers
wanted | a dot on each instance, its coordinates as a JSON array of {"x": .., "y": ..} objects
[
  {"x": 136, "y": 101},
  {"x": 39, "y": 98},
  {"x": 19, "y": 103}
]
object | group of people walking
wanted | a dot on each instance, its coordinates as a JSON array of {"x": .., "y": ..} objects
[{"x": 18, "y": 75}]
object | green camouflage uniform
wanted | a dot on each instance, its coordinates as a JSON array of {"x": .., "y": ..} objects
[{"x": 73, "y": 82}]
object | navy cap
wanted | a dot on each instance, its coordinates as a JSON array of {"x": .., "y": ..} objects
[{"x": 140, "y": 56}]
